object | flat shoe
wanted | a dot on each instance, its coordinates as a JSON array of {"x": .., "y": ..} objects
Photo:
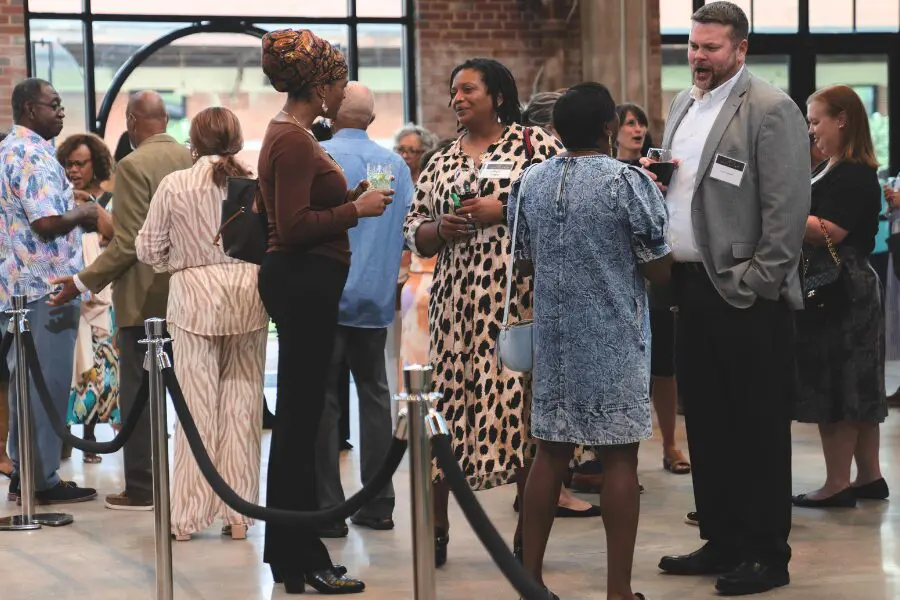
[
  {"x": 843, "y": 499},
  {"x": 875, "y": 490},
  {"x": 567, "y": 513}
]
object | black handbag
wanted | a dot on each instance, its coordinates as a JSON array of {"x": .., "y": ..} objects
[
  {"x": 244, "y": 231},
  {"x": 826, "y": 288}
]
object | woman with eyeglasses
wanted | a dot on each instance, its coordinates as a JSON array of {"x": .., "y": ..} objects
[
  {"x": 412, "y": 142},
  {"x": 95, "y": 387},
  {"x": 415, "y": 145}
]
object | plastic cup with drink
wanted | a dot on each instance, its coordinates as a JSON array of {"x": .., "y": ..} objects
[{"x": 379, "y": 176}]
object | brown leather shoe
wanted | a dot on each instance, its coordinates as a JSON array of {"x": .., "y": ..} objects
[{"x": 123, "y": 501}]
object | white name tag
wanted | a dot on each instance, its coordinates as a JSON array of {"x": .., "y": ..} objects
[
  {"x": 496, "y": 169},
  {"x": 728, "y": 170}
]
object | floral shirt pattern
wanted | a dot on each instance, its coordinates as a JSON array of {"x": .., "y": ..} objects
[
  {"x": 33, "y": 185},
  {"x": 587, "y": 223}
]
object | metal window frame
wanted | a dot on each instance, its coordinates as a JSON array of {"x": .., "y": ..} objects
[
  {"x": 804, "y": 46},
  {"x": 96, "y": 118}
]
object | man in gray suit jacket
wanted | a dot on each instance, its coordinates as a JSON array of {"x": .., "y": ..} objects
[{"x": 738, "y": 203}]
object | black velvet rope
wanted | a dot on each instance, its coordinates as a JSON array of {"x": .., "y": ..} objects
[
  {"x": 308, "y": 519},
  {"x": 57, "y": 422},
  {"x": 520, "y": 579}
]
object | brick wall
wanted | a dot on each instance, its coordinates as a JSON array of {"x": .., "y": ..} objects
[
  {"x": 525, "y": 35},
  {"x": 12, "y": 54}
]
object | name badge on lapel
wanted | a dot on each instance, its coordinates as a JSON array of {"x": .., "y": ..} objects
[
  {"x": 728, "y": 169},
  {"x": 496, "y": 169}
]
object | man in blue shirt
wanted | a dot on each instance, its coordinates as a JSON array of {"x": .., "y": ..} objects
[
  {"x": 40, "y": 240},
  {"x": 367, "y": 309}
]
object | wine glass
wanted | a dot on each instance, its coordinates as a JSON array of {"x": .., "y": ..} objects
[{"x": 660, "y": 154}]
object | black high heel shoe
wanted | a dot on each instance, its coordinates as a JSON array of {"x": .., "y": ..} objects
[
  {"x": 550, "y": 595},
  {"x": 276, "y": 573},
  {"x": 326, "y": 581},
  {"x": 441, "y": 539}
]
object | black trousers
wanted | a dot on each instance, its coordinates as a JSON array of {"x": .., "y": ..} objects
[
  {"x": 344, "y": 400},
  {"x": 136, "y": 453},
  {"x": 302, "y": 293},
  {"x": 735, "y": 371}
]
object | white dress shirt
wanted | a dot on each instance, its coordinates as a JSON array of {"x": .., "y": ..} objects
[{"x": 687, "y": 146}]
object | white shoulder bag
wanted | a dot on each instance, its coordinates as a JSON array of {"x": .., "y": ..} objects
[{"x": 515, "y": 345}]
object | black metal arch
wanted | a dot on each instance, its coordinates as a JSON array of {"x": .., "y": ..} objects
[{"x": 136, "y": 59}]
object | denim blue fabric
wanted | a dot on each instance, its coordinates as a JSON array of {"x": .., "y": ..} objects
[
  {"x": 587, "y": 224},
  {"x": 375, "y": 244}
]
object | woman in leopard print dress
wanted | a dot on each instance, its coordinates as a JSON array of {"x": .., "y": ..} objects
[{"x": 482, "y": 402}]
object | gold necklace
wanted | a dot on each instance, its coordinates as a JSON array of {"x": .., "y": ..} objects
[
  {"x": 300, "y": 125},
  {"x": 331, "y": 158}
]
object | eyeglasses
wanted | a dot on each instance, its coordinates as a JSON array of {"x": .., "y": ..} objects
[
  {"x": 408, "y": 150},
  {"x": 54, "y": 106},
  {"x": 77, "y": 164}
]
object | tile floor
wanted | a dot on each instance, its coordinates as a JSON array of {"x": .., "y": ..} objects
[{"x": 108, "y": 555}]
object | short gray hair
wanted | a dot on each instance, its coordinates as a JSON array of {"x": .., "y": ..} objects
[
  {"x": 539, "y": 111},
  {"x": 27, "y": 90},
  {"x": 725, "y": 13},
  {"x": 428, "y": 139}
]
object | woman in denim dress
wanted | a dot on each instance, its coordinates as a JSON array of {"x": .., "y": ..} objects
[{"x": 591, "y": 229}]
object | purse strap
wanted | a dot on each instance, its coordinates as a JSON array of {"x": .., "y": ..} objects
[
  {"x": 529, "y": 154},
  {"x": 512, "y": 251},
  {"x": 829, "y": 243}
]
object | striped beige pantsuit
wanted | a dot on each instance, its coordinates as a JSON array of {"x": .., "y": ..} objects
[
  {"x": 222, "y": 380},
  {"x": 219, "y": 328}
]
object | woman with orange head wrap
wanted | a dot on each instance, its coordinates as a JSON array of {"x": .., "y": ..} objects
[{"x": 309, "y": 210}]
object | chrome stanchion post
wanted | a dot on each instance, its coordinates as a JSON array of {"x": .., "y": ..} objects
[
  {"x": 27, "y": 520},
  {"x": 23, "y": 521},
  {"x": 155, "y": 361},
  {"x": 417, "y": 382}
]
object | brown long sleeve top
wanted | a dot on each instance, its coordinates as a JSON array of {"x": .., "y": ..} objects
[{"x": 305, "y": 194}]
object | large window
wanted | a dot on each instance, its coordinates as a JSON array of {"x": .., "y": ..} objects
[
  {"x": 770, "y": 16},
  {"x": 804, "y": 45},
  {"x": 197, "y": 56},
  {"x": 868, "y": 76}
]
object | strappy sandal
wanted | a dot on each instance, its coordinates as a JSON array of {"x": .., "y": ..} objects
[
  {"x": 92, "y": 459},
  {"x": 236, "y": 532},
  {"x": 678, "y": 466}
]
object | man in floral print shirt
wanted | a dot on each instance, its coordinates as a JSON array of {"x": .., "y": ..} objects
[{"x": 40, "y": 239}]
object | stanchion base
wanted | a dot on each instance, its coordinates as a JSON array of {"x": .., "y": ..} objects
[
  {"x": 17, "y": 523},
  {"x": 53, "y": 519}
]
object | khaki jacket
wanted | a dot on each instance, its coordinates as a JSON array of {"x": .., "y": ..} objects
[{"x": 138, "y": 292}]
